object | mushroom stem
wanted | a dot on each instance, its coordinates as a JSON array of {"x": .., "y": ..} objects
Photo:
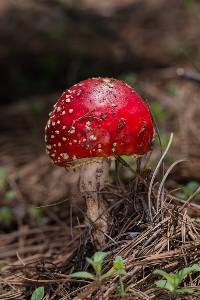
[{"x": 92, "y": 180}]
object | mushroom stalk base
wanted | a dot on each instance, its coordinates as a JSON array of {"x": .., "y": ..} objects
[{"x": 92, "y": 180}]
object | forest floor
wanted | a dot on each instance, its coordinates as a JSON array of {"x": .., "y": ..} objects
[
  {"x": 43, "y": 235},
  {"x": 43, "y": 238}
]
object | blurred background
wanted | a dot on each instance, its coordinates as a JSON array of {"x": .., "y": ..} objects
[{"x": 46, "y": 46}]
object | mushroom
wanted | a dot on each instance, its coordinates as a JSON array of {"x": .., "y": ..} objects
[{"x": 93, "y": 121}]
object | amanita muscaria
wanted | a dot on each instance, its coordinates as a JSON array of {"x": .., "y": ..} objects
[{"x": 92, "y": 122}]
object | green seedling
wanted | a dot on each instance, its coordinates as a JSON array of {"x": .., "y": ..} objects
[
  {"x": 98, "y": 276},
  {"x": 97, "y": 264},
  {"x": 119, "y": 267},
  {"x": 6, "y": 216},
  {"x": 188, "y": 190},
  {"x": 38, "y": 294},
  {"x": 172, "y": 281},
  {"x": 37, "y": 214},
  {"x": 10, "y": 195}
]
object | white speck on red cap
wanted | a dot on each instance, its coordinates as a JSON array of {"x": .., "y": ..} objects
[
  {"x": 65, "y": 155},
  {"x": 92, "y": 137}
]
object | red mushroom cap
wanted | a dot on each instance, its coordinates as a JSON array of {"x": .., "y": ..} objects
[{"x": 98, "y": 117}]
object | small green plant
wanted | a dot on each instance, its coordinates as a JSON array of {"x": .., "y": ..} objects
[
  {"x": 188, "y": 190},
  {"x": 38, "y": 294},
  {"x": 97, "y": 264},
  {"x": 6, "y": 216},
  {"x": 37, "y": 214},
  {"x": 10, "y": 195},
  {"x": 172, "y": 281},
  {"x": 119, "y": 267}
]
